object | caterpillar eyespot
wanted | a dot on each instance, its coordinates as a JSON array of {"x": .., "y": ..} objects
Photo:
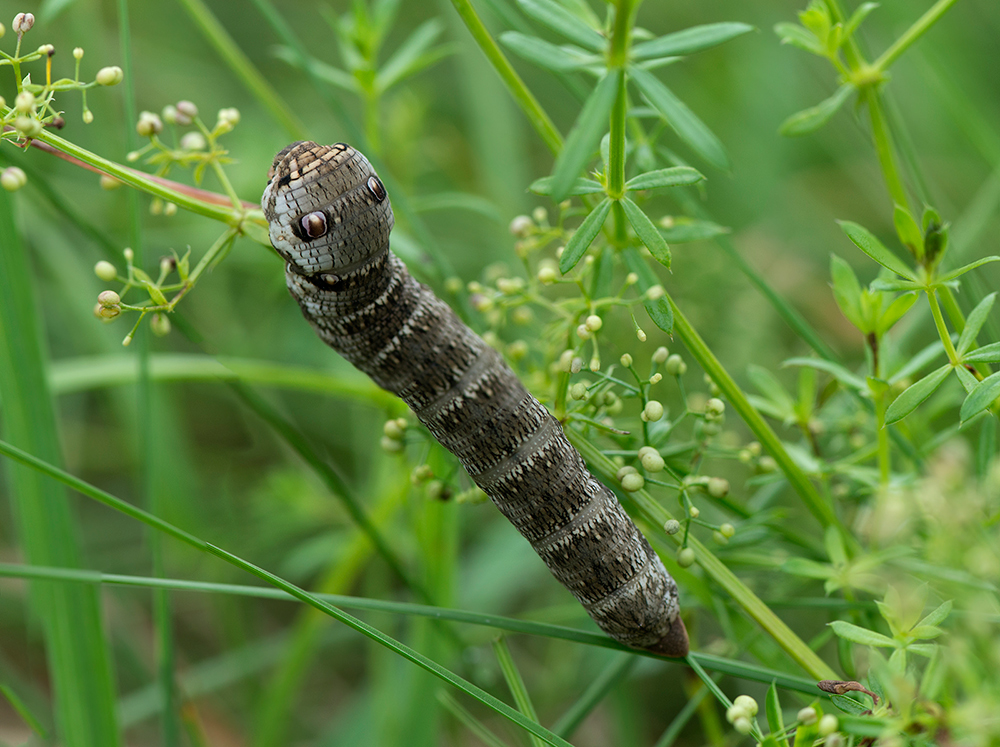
[
  {"x": 314, "y": 224},
  {"x": 412, "y": 344}
]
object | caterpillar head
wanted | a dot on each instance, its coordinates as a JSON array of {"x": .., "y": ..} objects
[{"x": 327, "y": 209}]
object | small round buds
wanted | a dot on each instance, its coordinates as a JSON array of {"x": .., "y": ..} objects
[
  {"x": 12, "y": 178},
  {"x": 185, "y": 112},
  {"x": 23, "y": 23},
  {"x": 314, "y": 224},
  {"x": 149, "y": 124},
  {"x": 105, "y": 271},
  {"x": 110, "y": 76}
]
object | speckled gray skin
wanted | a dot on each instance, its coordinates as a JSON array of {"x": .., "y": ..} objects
[{"x": 330, "y": 219}]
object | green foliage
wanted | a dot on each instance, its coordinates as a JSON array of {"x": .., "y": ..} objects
[{"x": 841, "y": 522}]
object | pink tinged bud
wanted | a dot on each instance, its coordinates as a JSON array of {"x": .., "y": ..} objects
[{"x": 23, "y": 23}]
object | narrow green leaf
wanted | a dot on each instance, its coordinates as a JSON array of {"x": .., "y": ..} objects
[
  {"x": 796, "y": 36},
  {"x": 924, "y": 357},
  {"x": 866, "y": 637},
  {"x": 969, "y": 381},
  {"x": 584, "y": 236},
  {"x": 908, "y": 401},
  {"x": 585, "y": 136},
  {"x": 841, "y": 374},
  {"x": 975, "y": 322},
  {"x": 874, "y": 248},
  {"x": 896, "y": 311},
  {"x": 515, "y": 682},
  {"x": 925, "y": 632},
  {"x": 894, "y": 286},
  {"x": 333, "y": 75},
  {"x": 684, "y": 122},
  {"x": 33, "y": 722},
  {"x": 690, "y": 40},
  {"x": 412, "y": 55},
  {"x": 563, "y": 22},
  {"x": 858, "y": 17},
  {"x": 683, "y": 230},
  {"x": 775, "y": 721},
  {"x": 675, "y": 176},
  {"x": 807, "y": 568},
  {"x": 908, "y": 231},
  {"x": 547, "y": 55},
  {"x": 981, "y": 396},
  {"x": 659, "y": 310},
  {"x": 965, "y": 268},
  {"x": 850, "y": 705},
  {"x": 847, "y": 292},
  {"x": 582, "y": 186},
  {"x": 986, "y": 354},
  {"x": 811, "y": 119},
  {"x": 647, "y": 232}
]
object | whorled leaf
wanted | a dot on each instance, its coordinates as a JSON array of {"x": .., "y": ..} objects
[
  {"x": 811, "y": 119},
  {"x": 690, "y": 40},
  {"x": 911, "y": 397},
  {"x": 584, "y": 236},
  {"x": 647, "y": 232}
]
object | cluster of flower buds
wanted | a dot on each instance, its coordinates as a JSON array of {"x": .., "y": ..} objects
[
  {"x": 741, "y": 713},
  {"x": 393, "y": 433},
  {"x": 12, "y": 178}
]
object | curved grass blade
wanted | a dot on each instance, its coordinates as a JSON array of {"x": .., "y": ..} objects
[
  {"x": 684, "y": 122},
  {"x": 866, "y": 242},
  {"x": 981, "y": 397},
  {"x": 811, "y": 119},
  {"x": 586, "y": 134},
  {"x": 647, "y": 232},
  {"x": 584, "y": 236},
  {"x": 690, "y": 40},
  {"x": 676, "y": 176},
  {"x": 908, "y": 401},
  {"x": 775, "y": 721}
]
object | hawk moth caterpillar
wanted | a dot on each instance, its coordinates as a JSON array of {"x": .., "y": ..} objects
[{"x": 329, "y": 218}]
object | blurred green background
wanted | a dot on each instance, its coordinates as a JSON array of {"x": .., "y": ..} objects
[{"x": 452, "y": 129}]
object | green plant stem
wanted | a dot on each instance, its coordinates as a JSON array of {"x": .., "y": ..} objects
[
  {"x": 713, "y": 567},
  {"x": 942, "y": 329},
  {"x": 515, "y": 86},
  {"x": 616, "y": 150},
  {"x": 227, "y": 215},
  {"x": 240, "y": 64},
  {"x": 912, "y": 34},
  {"x": 884, "y": 147},
  {"x": 711, "y": 365}
]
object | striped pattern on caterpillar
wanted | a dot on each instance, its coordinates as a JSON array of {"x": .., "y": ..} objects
[{"x": 330, "y": 220}]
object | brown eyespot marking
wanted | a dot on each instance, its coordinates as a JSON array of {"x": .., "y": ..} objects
[
  {"x": 376, "y": 188},
  {"x": 314, "y": 224}
]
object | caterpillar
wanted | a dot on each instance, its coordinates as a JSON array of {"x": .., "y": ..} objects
[{"x": 329, "y": 218}]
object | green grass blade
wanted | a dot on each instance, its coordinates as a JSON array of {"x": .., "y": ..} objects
[
  {"x": 684, "y": 122},
  {"x": 514, "y": 681},
  {"x": 690, "y": 40},
  {"x": 29, "y": 718},
  {"x": 673, "y": 731},
  {"x": 586, "y": 134},
  {"x": 244, "y": 69},
  {"x": 79, "y": 661},
  {"x": 471, "y": 723},
  {"x": 736, "y": 668}
]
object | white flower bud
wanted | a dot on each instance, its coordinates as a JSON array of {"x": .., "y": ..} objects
[
  {"x": 149, "y": 124},
  {"x": 742, "y": 725},
  {"x": 520, "y": 226},
  {"x": 632, "y": 482},
  {"x": 660, "y": 355},
  {"x": 631, "y": 279},
  {"x": 169, "y": 114},
  {"x": 110, "y": 76},
  {"x": 547, "y": 275},
  {"x": 194, "y": 141},
  {"x": 715, "y": 407},
  {"x": 656, "y": 378},
  {"x": 392, "y": 429},
  {"x": 109, "y": 298},
  {"x": 47, "y": 49},
  {"x": 675, "y": 365},
  {"x": 594, "y": 322},
  {"x": 671, "y": 526},
  {"x": 578, "y": 391},
  {"x": 187, "y": 111},
  {"x": 391, "y": 445},
  {"x": 694, "y": 512},
  {"x": 105, "y": 271},
  {"x": 626, "y": 360},
  {"x": 727, "y": 530},
  {"x": 626, "y": 470},
  {"x": 27, "y": 126},
  {"x": 685, "y": 557},
  {"x": 734, "y": 712},
  {"x": 651, "y": 460},
  {"x": 12, "y": 178},
  {"x": 828, "y": 724},
  {"x": 767, "y": 464},
  {"x": 160, "y": 325},
  {"x": 88, "y": 116},
  {"x": 718, "y": 487},
  {"x": 655, "y": 292},
  {"x": 23, "y": 23},
  {"x": 745, "y": 701},
  {"x": 583, "y": 332},
  {"x": 540, "y": 214},
  {"x": 652, "y": 412},
  {"x": 228, "y": 119},
  {"x": 78, "y": 53},
  {"x": 807, "y": 715},
  {"x": 24, "y": 102},
  {"x": 640, "y": 334}
]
